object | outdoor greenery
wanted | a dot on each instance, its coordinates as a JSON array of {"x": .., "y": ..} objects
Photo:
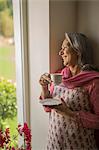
[
  {"x": 8, "y": 107},
  {"x": 6, "y": 4},
  {"x": 7, "y": 71},
  {"x": 7, "y": 62},
  {"x": 6, "y": 18}
]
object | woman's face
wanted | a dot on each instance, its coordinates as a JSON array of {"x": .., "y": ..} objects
[{"x": 69, "y": 56}]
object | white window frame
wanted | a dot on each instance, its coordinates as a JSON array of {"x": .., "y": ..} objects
[{"x": 22, "y": 65}]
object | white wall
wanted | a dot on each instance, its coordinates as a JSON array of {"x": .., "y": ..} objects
[{"x": 38, "y": 13}]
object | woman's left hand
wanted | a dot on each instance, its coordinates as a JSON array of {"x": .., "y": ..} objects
[{"x": 63, "y": 109}]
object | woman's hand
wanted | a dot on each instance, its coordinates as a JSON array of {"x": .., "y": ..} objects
[
  {"x": 63, "y": 109},
  {"x": 45, "y": 79}
]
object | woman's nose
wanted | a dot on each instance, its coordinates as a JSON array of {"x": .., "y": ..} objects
[{"x": 61, "y": 52}]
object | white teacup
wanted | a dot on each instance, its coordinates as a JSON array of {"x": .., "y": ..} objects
[{"x": 56, "y": 78}]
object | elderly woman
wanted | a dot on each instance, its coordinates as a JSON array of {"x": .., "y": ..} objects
[{"x": 72, "y": 124}]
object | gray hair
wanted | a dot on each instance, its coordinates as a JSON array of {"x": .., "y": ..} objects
[{"x": 81, "y": 44}]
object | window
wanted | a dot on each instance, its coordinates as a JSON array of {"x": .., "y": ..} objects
[{"x": 21, "y": 44}]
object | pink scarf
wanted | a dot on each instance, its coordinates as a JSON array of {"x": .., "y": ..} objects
[{"x": 78, "y": 80}]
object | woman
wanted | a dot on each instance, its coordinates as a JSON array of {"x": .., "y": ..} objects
[{"x": 72, "y": 124}]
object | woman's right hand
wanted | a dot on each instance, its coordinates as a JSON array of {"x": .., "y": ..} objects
[{"x": 45, "y": 79}]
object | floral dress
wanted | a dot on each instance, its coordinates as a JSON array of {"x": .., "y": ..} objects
[{"x": 66, "y": 133}]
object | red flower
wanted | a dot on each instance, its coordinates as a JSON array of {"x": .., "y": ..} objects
[
  {"x": 5, "y": 141},
  {"x": 27, "y": 135},
  {"x": 13, "y": 148},
  {"x": 2, "y": 139},
  {"x": 7, "y": 135}
]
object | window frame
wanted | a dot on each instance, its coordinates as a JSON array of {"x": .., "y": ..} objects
[{"x": 22, "y": 60}]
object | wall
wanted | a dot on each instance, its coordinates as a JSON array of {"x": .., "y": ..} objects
[
  {"x": 62, "y": 19},
  {"x": 88, "y": 23},
  {"x": 38, "y": 25},
  {"x": 68, "y": 16}
]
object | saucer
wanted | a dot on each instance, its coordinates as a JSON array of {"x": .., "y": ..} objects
[{"x": 50, "y": 102}]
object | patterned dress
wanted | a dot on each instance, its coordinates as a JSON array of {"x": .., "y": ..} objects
[{"x": 64, "y": 132}]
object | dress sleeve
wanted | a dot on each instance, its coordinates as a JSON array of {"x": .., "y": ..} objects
[{"x": 88, "y": 119}]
